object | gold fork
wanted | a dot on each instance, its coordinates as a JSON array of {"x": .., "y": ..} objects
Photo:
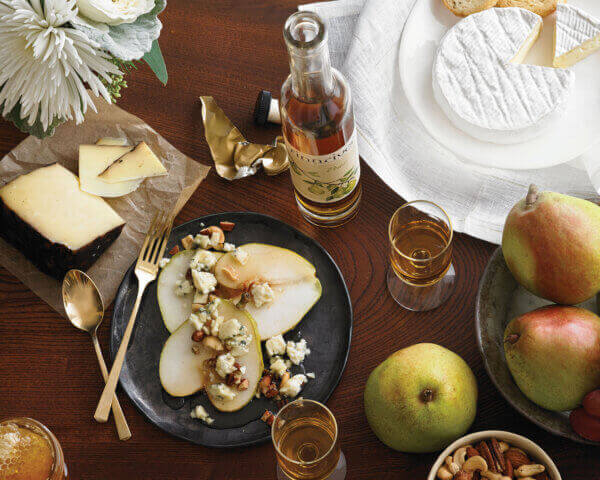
[{"x": 146, "y": 269}]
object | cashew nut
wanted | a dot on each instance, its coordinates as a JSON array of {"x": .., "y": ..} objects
[
  {"x": 460, "y": 456},
  {"x": 504, "y": 446},
  {"x": 529, "y": 470},
  {"x": 217, "y": 237},
  {"x": 444, "y": 474},
  {"x": 475, "y": 463},
  {"x": 452, "y": 467}
]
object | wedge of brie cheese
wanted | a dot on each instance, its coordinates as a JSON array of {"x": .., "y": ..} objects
[
  {"x": 93, "y": 160},
  {"x": 138, "y": 164},
  {"x": 576, "y": 37},
  {"x": 46, "y": 216},
  {"x": 481, "y": 86}
]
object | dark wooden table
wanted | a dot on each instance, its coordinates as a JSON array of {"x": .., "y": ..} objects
[{"x": 231, "y": 49}]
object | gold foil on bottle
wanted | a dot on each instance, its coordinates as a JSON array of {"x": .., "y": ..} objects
[{"x": 233, "y": 155}]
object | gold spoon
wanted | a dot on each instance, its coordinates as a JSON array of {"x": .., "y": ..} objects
[{"x": 85, "y": 310}]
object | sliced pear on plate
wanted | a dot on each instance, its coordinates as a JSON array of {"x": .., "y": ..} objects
[
  {"x": 183, "y": 372},
  {"x": 291, "y": 277},
  {"x": 174, "y": 309},
  {"x": 292, "y": 301},
  {"x": 252, "y": 360}
]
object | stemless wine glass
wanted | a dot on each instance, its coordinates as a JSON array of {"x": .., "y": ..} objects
[
  {"x": 305, "y": 436},
  {"x": 29, "y": 450},
  {"x": 421, "y": 276}
]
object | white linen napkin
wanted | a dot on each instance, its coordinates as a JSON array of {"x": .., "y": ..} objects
[{"x": 364, "y": 40}]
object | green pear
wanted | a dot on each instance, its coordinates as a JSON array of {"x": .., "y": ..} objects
[
  {"x": 553, "y": 354},
  {"x": 551, "y": 244},
  {"x": 421, "y": 398}
]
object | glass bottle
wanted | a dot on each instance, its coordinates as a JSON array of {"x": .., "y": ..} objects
[{"x": 318, "y": 127}]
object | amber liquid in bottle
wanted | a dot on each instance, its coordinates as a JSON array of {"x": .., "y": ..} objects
[{"x": 318, "y": 127}]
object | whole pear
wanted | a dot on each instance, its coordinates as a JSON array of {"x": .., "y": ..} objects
[
  {"x": 421, "y": 398},
  {"x": 551, "y": 244},
  {"x": 553, "y": 354}
]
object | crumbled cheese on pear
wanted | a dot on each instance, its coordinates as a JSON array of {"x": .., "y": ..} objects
[
  {"x": 203, "y": 241},
  {"x": 225, "y": 364},
  {"x": 229, "y": 329},
  {"x": 163, "y": 262},
  {"x": 222, "y": 391},
  {"x": 261, "y": 294},
  {"x": 203, "y": 260},
  {"x": 183, "y": 287},
  {"x": 205, "y": 282}
]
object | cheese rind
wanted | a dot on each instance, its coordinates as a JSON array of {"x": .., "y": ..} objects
[
  {"x": 577, "y": 35},
  {"x": 93, "y": 160},
  {"x": 138, "y": 164},
  {"x": 479, "y": 83},
  {"x": 53, "y": 223}
]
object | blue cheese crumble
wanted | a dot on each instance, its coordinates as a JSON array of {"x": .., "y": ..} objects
[
  {"x": 297, "y": 351},
  {"x": 200, "y": 413},
  {"x": 261, "y": 293},
  {"x": 275, "y": 346}
]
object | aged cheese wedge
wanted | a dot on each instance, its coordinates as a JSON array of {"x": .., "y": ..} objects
[
  {"x": 93, "y": 160},
  {"x": 576, "y": 37},
  {"x": 46, "y": 216},
  {"x": 139, "y": 164}
]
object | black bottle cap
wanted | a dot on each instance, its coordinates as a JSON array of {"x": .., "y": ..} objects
[{"x": 261, "y": 109}]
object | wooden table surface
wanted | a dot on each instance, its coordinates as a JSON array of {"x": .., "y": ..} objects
[{"x": 231, "y": 49}]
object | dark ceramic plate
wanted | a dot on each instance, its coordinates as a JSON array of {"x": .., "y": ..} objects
[
  {"x": 327, "y": 328},
  {"x": 499, "y": 300}
]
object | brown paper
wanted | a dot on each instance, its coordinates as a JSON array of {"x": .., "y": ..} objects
[
  {"x": 233, "y": 155},
  {"x": 168, "y": 192}
]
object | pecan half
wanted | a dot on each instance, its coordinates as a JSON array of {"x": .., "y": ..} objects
[
  {"x": 486, "y": 453},
  {"x": 264, "y": 383},
  {"x": 272, "y": 391},
  {"x": 198, "y": 335},
  {"x": 471, "y": 452},
  {"x": 498, "y": 455},
  {"x": 174, "y": 250},
  {"x": 462, "y": 475},
  {"x": 508, "y": 471}
]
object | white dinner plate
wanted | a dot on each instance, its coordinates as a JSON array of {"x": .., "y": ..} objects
[{"x": 572, "y": 136}]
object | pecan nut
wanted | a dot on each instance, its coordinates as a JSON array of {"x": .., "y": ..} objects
[{"x": 486, "y": 453}]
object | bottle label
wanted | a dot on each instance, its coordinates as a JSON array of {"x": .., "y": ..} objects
[{"x": 325, "y": 178}]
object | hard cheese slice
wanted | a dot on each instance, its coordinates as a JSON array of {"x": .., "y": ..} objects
[
  {"x": 93, "y": 160},
  {"x": 114, "y": 141},
  {"x": 46, "y": 216},
  {"x": 138, "y": 164},
  {"x": 576, "y": 37}
]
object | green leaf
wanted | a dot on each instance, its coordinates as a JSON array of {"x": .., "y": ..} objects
[
  {"x": 36, "y": 129},
  {"x": 154, "y": 59}
]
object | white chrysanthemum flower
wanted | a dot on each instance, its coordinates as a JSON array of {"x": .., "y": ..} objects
[
  {"x": 45, "y": 64},
  {"x": 114, "y": 12}
]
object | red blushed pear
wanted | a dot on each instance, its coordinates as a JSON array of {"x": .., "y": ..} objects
[
  {"x": 553, "y": 354},
  {"x": 551, "y": 244}
]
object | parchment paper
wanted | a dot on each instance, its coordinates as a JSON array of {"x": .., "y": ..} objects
[{"x": 169, "y": 192}]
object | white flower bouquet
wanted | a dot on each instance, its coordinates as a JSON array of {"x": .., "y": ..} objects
[{"x": 53, "y": 52}]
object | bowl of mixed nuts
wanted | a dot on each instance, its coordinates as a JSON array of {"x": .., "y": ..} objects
[{"x": 494, "y": 455}]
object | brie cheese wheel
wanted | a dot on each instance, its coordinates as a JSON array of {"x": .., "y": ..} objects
[
  {"x": 480, "y": 85},
  {"x": 138, "y": 164},
  {"x": 576, "y": 37},
  {"x": 46, "y": 216},
  {"x": 93, "y": 160}
]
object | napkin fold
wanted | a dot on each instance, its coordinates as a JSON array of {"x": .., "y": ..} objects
[
  {"x": 364, "y": 41},
  {"x": 233, "y": 155}
]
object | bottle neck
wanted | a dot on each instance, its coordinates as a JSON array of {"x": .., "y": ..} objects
[{"x": 310, "y": 66}]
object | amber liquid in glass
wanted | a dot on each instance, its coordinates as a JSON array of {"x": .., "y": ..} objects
[
  {"x": 425, "y": 258},
  {"x": 305, "y": 440},
  {"x": 25, "y": 454}
]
